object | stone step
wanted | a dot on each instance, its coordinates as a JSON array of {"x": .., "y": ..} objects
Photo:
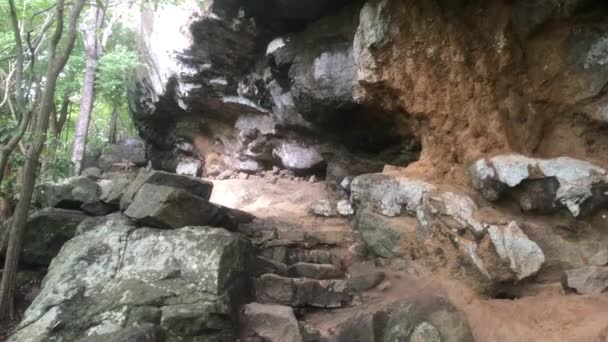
[
  {"x": 314, "y": 271},
  {"x": 292, "y": 254},
  {"x": 302, "y": 292}
]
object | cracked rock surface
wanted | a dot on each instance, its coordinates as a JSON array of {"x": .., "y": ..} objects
[{"x": 117, "y": 277}]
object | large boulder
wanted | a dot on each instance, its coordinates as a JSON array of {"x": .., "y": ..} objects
[
  {"x": 272, "y": 323},
  {"x": 380, "y": 236},
  {"x": 117, "y": 279},
  {"x": 429, "y": 319},
  {"x": 70, "y": 193},
  {"x": 168, "y": 207},
  {"x": 586, "y": 281},
  {"x": 302, "y": 292},
  {"x": 544, "y": 185},
  {"x": 192, "y": 185},
  {"x": 45, "y": 233},
  {"x": 298, "y": 158},
  {"x": 123, "y": 156}
]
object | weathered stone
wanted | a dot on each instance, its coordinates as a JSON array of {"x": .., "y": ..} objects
[
  {"x": 600, "y": 258},
  {"x": 90, "y": 223},
  {"x": 545, "y": 184},
  {"x": 194, "y": 319},
  {"x": 145, "y": 333},
  {"x": 425, "y": 332},
  {"x": 344, "y": 208},
  {"x": 322, "y": 208},
  {"x": 92, "y": 172},
  {"x": 453, "y": 216},
  {"x": 298, "y": 158},
  {"x": 45, "y": 233},
  {"x": 314, "y": 271},
  {"x": 365, "y": 281},
  {"x": 112, "y": 190},
  {"x": 167, "y": 207},
  {"x": 189, "y": 167},
  {"x": 71, "y": 193},
  {"x": 115, "y": 278},
  {"x": 263, "y": 265},
  {"x": 98, "y": 208},
  {"x": 273, "y": 323},
  {"x": 429, "y": 319},
  {"x": 586, "y": 281},
  {"x": 388, "y": 195},
  {"x": 512, "y": 244},
  {"x": 271, "y": 288},
  {"x": 309, "y": 333},
  {"x": 378, "y": 234},
  {"x": 192, "y": 185},
  {"x": 314, "y": 256},
  {"x": 123, "y": 156}
]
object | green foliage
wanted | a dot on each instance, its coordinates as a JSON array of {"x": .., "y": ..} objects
[
  {"x": 112, "y": 74},
  {"x": 58, "y": 163},
  {"x": 8, "y": 128}
]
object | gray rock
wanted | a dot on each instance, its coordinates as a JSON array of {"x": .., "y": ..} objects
[
  {"x": 263, "y": 265},
  {"x": 388, "y": 195},
  {"x": 112, "y": 190},
  {"x": 70, "y": 193},
  {"x": 378, "y": 234},
  {"x": 92, "y": 172},
  {"x": 168, "y": 207},
  {"x": 45, "y": 233},
  {"x": 586, "y": 281},
  {"x": 365, "y": 281},
  {"x": 189, "y": 167},
  {"x": 274, "y": 289},
  {"x": 314, "y": 271},
  {"x": 146, "y": 333},
  {"x": 511, "y": 243},
  {"x": 576, "y": 185},
  {"x": 123, "y": 156},
  {"x": 426, "y": 318},
  {"x": 298, "y": 158},
  {"x": 273, "y": 323},
  {"x": 600, "y": 258},
  {"x": 454, "y": 216},
  {"x": 344, "y": 208},
  {"x": 309, "y": 333},
  {"x": 425, "y": 332},
  {"x": 98, "y": 208},
  {"x": 322, "y": 208},
  {"x": 90, "y": 223},
  {"x": 115, "y": 278},
  {"x": 192, "y": 185},
  {"x": 249, "y": 166}
]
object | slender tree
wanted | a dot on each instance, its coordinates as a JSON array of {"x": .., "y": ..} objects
[
  {"x": 95, "y": 35},
  {"x": 57, "y": 58}
]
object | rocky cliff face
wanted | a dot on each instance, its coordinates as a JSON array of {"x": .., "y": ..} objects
[{"x": 368, "y": 84}]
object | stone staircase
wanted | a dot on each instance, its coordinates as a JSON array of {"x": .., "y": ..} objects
[{"x": 303, "y": 269}]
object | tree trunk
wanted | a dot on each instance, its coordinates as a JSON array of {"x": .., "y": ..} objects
[
  {"x": 113, "y": 126},
  {"x": 56, "y": 64},
  {"x": 5, "y": 205},
  {"x": 84, "y": 117},
  {"x": 93, "y": 47}
]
